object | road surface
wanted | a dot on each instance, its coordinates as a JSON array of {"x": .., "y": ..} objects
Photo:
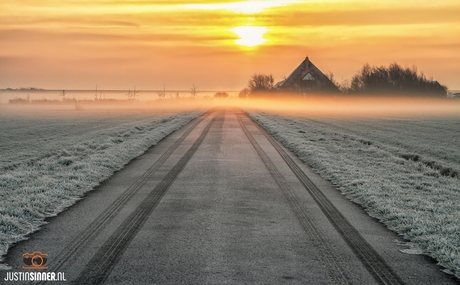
[{"x": 221, "y": 202}]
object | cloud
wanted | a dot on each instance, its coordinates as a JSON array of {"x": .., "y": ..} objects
[
  {"x": 368, "y": 17},
  {"x": 150, "y": 14}
]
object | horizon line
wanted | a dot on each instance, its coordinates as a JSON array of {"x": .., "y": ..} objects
[{"x": 112, "y": 90}]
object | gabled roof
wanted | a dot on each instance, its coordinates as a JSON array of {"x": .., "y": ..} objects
[{"x": 305, "y": 71}]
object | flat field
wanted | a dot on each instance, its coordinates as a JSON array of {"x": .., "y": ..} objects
[
  {"x": 402, "y": 169},
  {"x": 50, "y": 157},
  {"x": 401, "y": 166}
]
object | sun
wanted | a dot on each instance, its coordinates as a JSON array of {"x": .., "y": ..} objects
[{"x": 250, "y": 36}]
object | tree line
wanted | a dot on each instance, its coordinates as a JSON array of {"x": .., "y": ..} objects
[{"x": 370, "y": 80}]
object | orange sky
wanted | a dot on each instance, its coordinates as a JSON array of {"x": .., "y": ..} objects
[{"x": 121, "y": 44}]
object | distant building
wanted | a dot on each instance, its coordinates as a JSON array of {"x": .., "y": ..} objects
[
  {"x": 307, "y": 78},
  {"x": 453, "y": 94}
]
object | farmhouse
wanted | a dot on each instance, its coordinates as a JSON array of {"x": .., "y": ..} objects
[{"x": 306, "y": 78}]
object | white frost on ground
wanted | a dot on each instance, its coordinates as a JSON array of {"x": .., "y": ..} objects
[
  {"x": 49, "y": 161},
  {"x": 403, "y": 171}
]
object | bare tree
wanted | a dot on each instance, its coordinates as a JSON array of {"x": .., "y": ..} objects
[
  {"x": 135, "y": 93},
  {"x": 194, "y": 91},
  {"x": 162, "y": 94},
  {"x": 129, "y": 94},
  {"x": 331, "y": 77},
  {"x": 260, "y": 82},
  {"x": 63, "y": 93},
  {"x": 344, "y": 87}
]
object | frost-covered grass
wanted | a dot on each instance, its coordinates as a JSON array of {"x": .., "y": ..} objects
[
  {"x": 50, "y": 158},
  {"x": 402, "y": 170}
]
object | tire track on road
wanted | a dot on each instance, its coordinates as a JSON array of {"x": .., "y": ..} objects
[
  {"x": 371, "y": 260},
  {"x": 75, "y": 247},
  {"x": 99, "y": 267},
  {"x": 337, "y": 274}
]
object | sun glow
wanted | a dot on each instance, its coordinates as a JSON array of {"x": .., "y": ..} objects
[{"x": 250, "y": 36}]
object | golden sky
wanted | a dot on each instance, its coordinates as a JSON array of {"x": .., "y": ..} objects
[{"x": 219, "y": 44}]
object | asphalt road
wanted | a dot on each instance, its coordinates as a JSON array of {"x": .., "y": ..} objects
[{"x": 220, "y": 202}]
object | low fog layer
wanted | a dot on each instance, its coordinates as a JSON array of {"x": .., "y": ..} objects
[
  {"x": 311, "y": 105},
  {"x": 344, "y": 106}
]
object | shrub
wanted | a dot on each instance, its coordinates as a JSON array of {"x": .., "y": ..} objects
[
  {"x": 244, "y": 93},
  {"x": 221, "y": 95}
]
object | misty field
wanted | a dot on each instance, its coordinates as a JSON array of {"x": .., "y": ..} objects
[
  {"x": 50, "y": 158},
  {"x": 404, "y": 170}
]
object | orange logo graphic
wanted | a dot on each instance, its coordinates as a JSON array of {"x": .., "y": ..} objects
[{"x": 35, "y": 260}]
